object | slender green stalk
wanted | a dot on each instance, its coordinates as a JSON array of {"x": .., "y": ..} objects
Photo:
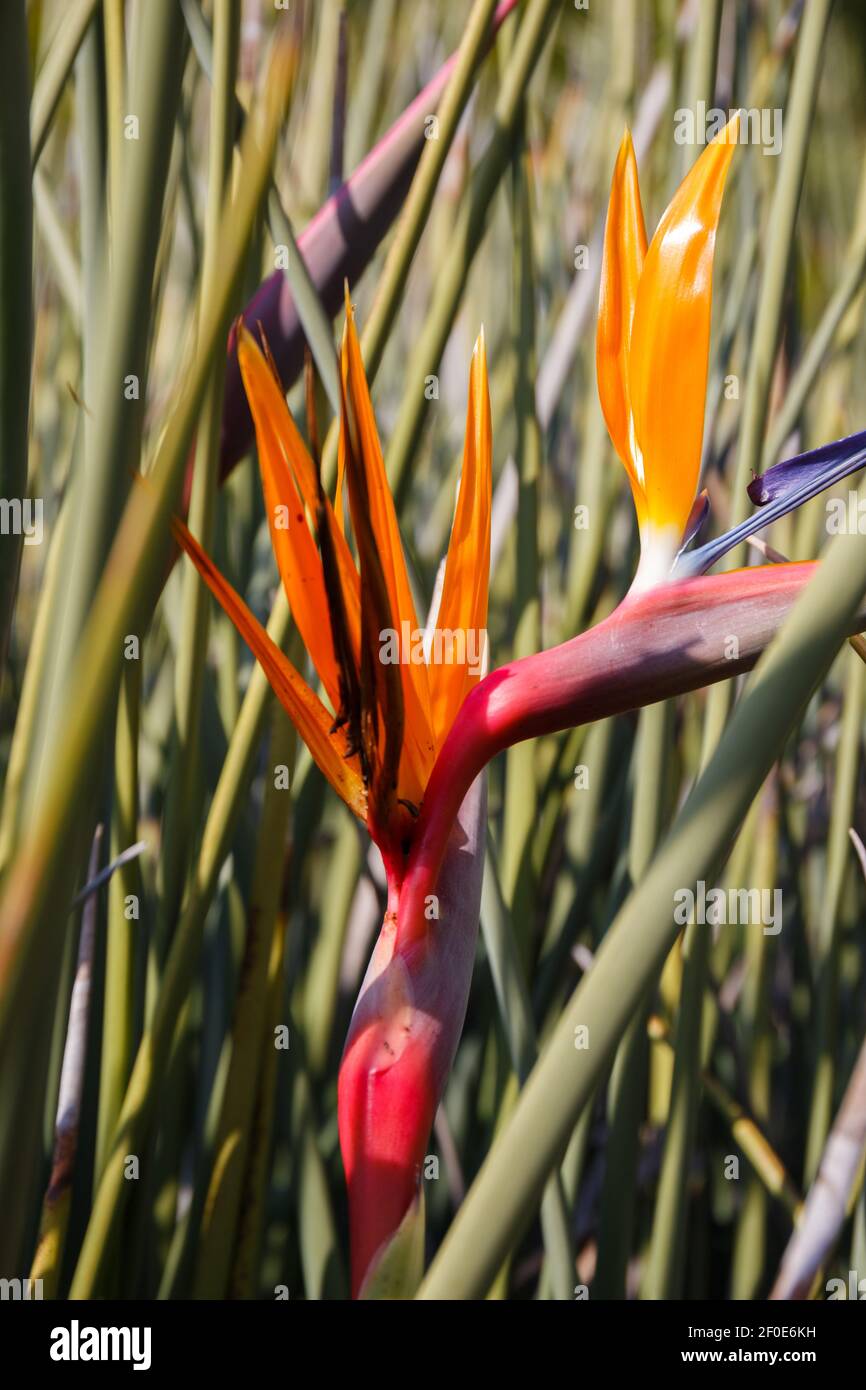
[
  {"x": 779, "y": 241},
  {"x": 664, "y": 1271},
  {"x": 251, "y": 1217},
  {"x": 222, "y": 1207},
  {"x": 520, "y": 809},
  {"x": 534, "y": 30},
  {"x": 323, "y": 973},
  {"x": 155, "y": 1046},
  {"x": 515, "y": 1015},
  {"x": 750, "y": 1240},
  {"x": 419, "y": 200},
  {"x": 125, "y": 894},
  {"x": 700, "y": 84},
  {"x": 113, "y": 19},
  {"x": 321, "y": 1257},
  {"x": 21, "y": 749},
  {"x": 828, "y": 942},
  {"x": 372, "y": 68},
  {"x": 745, "y": 1132},
  {"x": 849, "y": 283},
  {"x": 16, "y": 314},
  {"x": 627, "y": 1092},
  {"x": 316, "y": 323},
  {"x": 314, "y": 320},
  {"x": 125, "y": 891},
  {"x": 314, "y": 147},
  {"x": 55, "y": 70},
  {"x": 182, "y": 791}
]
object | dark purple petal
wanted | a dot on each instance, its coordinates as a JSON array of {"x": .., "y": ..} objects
[
  {"x": 780, "y": 490},
  {"x": 697, "y": 517},
  {"x": 819, "y": 469}
]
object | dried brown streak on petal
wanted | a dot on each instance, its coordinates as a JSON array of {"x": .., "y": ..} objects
[
  {"x": 266, "y": 352},
  {"x": 381, "y": 688},
  {"x": 349, "y": 712},
  {"x": 312, "y": 414}
]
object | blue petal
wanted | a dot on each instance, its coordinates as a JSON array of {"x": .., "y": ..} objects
[
  {"x": 818, "y": 468},
  {"x": 781, "y": 489}
]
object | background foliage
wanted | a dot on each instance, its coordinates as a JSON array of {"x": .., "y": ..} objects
[{"x": 154, "y": 1037}]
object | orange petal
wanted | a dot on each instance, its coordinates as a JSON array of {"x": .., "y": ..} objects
[
  {"x": 304, "y": 708},
  {"x": 462, "y": 615},
  {"x": 622, "y": 262},
  {"x": 283, "y": 459},
  {"x": 419, "y": 746},
  {"x": 670, "y": 338}
]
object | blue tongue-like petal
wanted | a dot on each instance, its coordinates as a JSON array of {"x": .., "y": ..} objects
[
  {"x": 781, "y": 489},
  {"x": 817, "y": 469}
]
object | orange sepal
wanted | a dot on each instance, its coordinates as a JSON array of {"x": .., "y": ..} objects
[
  {"x": 463, "y": 605},
  {"x": 625, "y": 247},
  {"x": 286, "y": 467},
  {"x": 670, "y": 339},
  {"x": 304, "y": 708}
]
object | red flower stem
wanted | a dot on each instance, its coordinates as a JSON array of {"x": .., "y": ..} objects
[{"x": 663, "y": 642}]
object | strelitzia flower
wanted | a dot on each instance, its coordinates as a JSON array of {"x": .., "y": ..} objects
[
  {"x": 652, "y": 346},
  {"x": 387, "y": 711},
  {"x": 375, "y": 733},
  {"x": 652, "y": 355}
]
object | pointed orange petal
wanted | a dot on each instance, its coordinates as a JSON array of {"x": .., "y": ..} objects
[
  {"x": 462, "y": 616},
  {"x": 622, "y": 262},
  {"x": 419, "y": 745},
  {"x": 283, "y": 459},
  {"x": 303, "y": 707},
  {"x": 671, "y": 338}
]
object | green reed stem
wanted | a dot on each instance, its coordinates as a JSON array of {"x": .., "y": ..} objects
[
  {"x": 182, "y": 790},
  {"x": 520, "y": 811},
  {"x": 468, "y": 233},
  {"x": 155, "y": 1047},
  {"x": 779, "y": 240},
  {"x": 750, "y": 1239},
  {"x": 515, "y": 1016},
  {"x": 231, "y": 1152},
  {"x": 55, "y": 70},
  {"x": 828, "y": 936},
  {"x": 16, "y": 313},
  {"x": 627, "y": 1093},
  {"x": 125, "y": 893}
]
